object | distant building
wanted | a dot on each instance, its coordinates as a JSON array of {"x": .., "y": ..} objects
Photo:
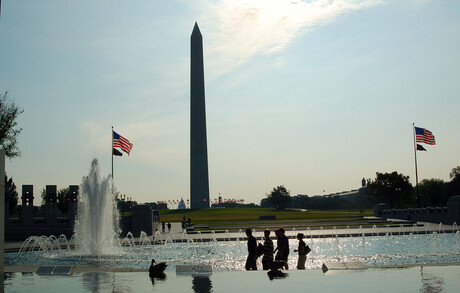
[{"x": 182, "y": 204}]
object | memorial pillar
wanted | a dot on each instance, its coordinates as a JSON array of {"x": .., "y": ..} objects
[
  {"x": 73, "y": 203},
  {"x": 2, "y": 215},
  {"x": 27, "y": 214},
  {"x": 51, "y": 206}
]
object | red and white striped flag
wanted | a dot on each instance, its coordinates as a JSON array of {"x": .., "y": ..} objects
[
  {"x": 122, "y": 143},
  {"x": 424, "y": 136}
]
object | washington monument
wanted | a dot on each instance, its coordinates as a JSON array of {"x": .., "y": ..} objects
[{"x": 199, "y": 181}]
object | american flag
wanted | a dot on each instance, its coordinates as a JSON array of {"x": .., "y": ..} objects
[
  {"x": 122, "y": 143},
  {"x": 424, "y": 136}
]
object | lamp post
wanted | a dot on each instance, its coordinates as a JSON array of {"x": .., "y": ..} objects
[{"x": 398, "y": 195}]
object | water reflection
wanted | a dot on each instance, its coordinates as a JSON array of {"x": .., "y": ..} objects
[
  {"x": 431, "y": 283},
  {"x": 276, "y": 274},
  {"x": 98, "y": 282},
  {"x": 158, "y": 276},
  {"x": 201, "y": 284}
]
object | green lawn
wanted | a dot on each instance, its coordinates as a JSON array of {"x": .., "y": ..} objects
[{"x": 252, "y": 214}]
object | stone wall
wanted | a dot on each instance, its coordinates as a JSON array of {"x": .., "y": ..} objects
[
  {"x": 34, "y": 221},
  {"x": 446, "y": 215}
]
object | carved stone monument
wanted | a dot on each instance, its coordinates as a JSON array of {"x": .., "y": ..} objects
[{"x": 51, "y": 206}]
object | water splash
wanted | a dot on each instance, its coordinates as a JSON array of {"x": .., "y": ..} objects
[
  {"x": 97, "y": 217},
  {"x": 157, "y": 238}
]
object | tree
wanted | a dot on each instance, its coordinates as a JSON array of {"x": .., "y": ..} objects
[
  {"x": 279, "y": 197},
  {"x": 62, "y": 200},
  {"x": 454, "y": 184},
  {"x": 12, "y": 194},
  {"x": 432, "y": 192},
  {"x": 300, "y": 201},
  {"x": 391, "y": 188},
  {"x": 455, "y": 173},
  {"x": 9, "y": 113},
  {"x": 266, "y": 203}
]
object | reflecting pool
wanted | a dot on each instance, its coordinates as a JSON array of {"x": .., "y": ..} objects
[
  {"x": 412, "y": 279},
  {"x": 231, "y": 255}
]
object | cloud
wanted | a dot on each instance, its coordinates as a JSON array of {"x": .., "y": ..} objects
[{"x": 241, "y": 29}]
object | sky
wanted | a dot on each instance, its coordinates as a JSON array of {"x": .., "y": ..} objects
[{"x": 313, "y": 95}]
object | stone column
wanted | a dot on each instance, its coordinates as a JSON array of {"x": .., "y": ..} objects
[
  {"x": 141, "y": 220},
  {"x": 453, "y": 205},
  {"x": 73, "y": 203},
  {"x": 51, "y": 206},
  {"x": 27, "y": 205},
  {"x": 2, "y": 215}
]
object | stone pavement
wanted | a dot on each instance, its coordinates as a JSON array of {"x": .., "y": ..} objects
[{"x": 178, "y": 235}]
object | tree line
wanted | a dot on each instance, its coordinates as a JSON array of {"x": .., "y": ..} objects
[
  {"x": 392, "y": 188},
  {"x": 396, "y": 190}
]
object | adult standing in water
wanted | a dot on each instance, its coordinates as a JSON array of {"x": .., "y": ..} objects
[
  {"x": 282, "y": 249},
  {"x": 251, "y": 263},
  {"x": 267, "y": 259}
]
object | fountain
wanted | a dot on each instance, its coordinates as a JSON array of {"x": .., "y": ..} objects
[
  {"x": 96, "y": 225},
  {"x": 388, "y": 249},
  {"x": 96, "y": 241}
]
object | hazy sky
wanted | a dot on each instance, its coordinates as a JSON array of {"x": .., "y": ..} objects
[{"x": 314, "y": 95}]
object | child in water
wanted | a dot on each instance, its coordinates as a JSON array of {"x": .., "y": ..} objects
[{"x": 302, "y": 250}]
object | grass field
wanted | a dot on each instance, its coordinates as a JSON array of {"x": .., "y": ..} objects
[{"x": 252, "y": 214}]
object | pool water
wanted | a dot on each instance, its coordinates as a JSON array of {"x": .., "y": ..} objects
[
  {"x": 411, "y": 279},
  {"x": 231, "y": 255}
]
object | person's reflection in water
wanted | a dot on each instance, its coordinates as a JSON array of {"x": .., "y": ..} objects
[
  {"x": 159, "y": 276},
  {"x": 431, "y": 283},
  {"x": 202, "y": 284},
  {"x": 276, "y": 274}
]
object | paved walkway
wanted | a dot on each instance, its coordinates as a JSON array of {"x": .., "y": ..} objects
[{"x": 178, "y": 235}]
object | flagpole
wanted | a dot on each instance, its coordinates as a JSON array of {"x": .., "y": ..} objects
[
  {"x": 112, "y": 152},
  {"x": 416, "y": 173}
]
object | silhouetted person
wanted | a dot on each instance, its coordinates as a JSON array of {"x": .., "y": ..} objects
[
  {"x": 169, "y": 227},
  {"x": 267, "y": 259},
  {"x": 302, "y": 250},
  {"x": 282, "y": 248},
  {"x": 251, "y": 263},
  {"x": 163, "y": 225}
]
